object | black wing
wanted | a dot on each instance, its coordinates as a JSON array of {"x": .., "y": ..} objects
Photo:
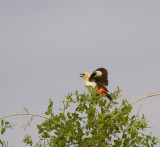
[
  {"x": 101, "y": 78},
  {"x": 101, "y": 86}
]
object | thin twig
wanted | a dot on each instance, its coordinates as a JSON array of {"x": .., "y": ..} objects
[
  {"x": 144, "y": 97},
  {"x": 44, "y": 143},
  {"x": 47, "y": 141},
  {"x": 116, "y": 115},
  {"x": 139, "y": 109},
  {"x": 26, "y": 110},
  {"x": 23, "y": 115}
]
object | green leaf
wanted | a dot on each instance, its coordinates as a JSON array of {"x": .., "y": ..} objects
[
  {"x": 40, "y": 128},
  {"x": 133, "y": 134},
  {"x": 62, "y": 116},
  {"x": 48, "y": 112},
  {"x": 100, "y": 126},
  {"x": 117, "y": 143},
  {"x": 3, "y": 130},
  {"x": 68, "y": 115},
  {"x": 133, "y": 117},
  {"x": 78, "y": 124},
  {"x": 6, "y": 123},
  {"x": 58, "y": 133},
  {"x": 2, "y": 122},
  {"x": 46, "y": 134},
  {"x": 115, "y": 103},
  {"x": 50, "y": 103},
  {"x": 124, "y": 136},
  {"x": 123, "y": 102}
]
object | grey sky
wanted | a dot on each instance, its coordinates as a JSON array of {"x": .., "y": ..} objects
[{"x": 45, "y": 45}]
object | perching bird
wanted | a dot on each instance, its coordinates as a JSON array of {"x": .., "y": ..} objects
[{"x": 98, "y": 78}]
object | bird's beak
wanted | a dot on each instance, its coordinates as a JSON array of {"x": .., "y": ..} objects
[{"x": 81, "y": 75}]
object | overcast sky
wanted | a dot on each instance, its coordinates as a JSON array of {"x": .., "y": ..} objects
[{"x": 45, "y": 45}]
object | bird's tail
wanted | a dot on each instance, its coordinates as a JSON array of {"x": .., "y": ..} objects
[{"x": 108, "y": 96}]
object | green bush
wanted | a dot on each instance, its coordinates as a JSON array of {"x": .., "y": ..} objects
[{"x": 94, "y": 121}]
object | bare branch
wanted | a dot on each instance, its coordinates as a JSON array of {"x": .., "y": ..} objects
[
  {"x": 23, "y": 115},
  {"x": 144, "y": 97},
  {"x": 140, "y": 99}
]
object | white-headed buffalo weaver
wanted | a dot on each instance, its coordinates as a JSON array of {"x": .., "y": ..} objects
[{"x": 98, "y": 78}]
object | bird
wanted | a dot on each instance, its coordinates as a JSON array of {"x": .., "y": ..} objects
[{"x": 99, "y": 79}]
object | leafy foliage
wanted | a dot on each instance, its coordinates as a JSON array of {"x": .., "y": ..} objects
[
  {"x": 28, "y": 140},
  {"x": 4, "y": 125},
  {"x": 95, "y": 121}
]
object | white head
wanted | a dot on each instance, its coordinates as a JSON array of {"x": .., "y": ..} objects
[{"x": 85, "y": 75}]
